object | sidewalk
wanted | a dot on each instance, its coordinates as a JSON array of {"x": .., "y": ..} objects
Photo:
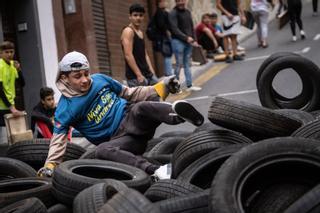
[{"x": 203, "y": 73}]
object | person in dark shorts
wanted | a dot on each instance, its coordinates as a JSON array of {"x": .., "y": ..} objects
[
  {"x": 139, "y": 70},
  {"x": 232, "y": 17}
]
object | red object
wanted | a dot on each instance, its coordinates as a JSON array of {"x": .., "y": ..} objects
[
  {"x": 200, "y": 27},
  {"x": 45, "y": 131}
]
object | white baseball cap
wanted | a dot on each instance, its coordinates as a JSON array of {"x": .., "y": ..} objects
[{"x": 74, "y": 61}]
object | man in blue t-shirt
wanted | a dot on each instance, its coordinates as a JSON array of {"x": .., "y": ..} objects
[{"x": 118, "y": 119}]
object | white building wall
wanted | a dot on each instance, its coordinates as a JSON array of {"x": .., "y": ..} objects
[{"x": 49, "y": 43}]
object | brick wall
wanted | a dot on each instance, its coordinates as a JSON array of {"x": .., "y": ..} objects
[
  {"x": 117, "y": 17},
  {"x": 76, "y": 31}
]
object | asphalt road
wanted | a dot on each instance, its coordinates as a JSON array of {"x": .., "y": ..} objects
[{"x": 237, "y": 81}]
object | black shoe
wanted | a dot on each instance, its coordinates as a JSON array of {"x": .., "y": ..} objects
[
  {"x": 229, "y": 59},
  {"x": 210, "y": 55},
  {"x": 187, "y": 112},
  {"x": 237, "y": 58}
]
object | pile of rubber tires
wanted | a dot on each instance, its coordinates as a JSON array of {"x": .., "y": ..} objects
[
  {"x": 247, "y": 159},
  {"x": 309, "y": 73}
]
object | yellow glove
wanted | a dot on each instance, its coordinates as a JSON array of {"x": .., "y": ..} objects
[
  {"x": 168, "y": 85},
  {"x": 47, "y": 170}
]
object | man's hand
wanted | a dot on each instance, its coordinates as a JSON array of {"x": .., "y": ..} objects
[
  {"x": 172, "y": 84},
  {"x": 168, "y": 85},
  {"x": 140, "y": 79},
  {"x": 15, "y": 112},
  {"x": 16, "y": 65},
  {"x": 47, "y": 170},
  {"x": 230, "y": 16},
  {"x": 243, "y": 19},
  {"x": 195, "y": 44},
  {"x": 190, "y": 40}
]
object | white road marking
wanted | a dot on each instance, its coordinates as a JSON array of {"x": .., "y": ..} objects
[
  {"x": 237, "y": 93},
  {"x": 303, "y": 51},
  {"x": 257, "y": 58},
  {"x": 317, "y": 37},
  {"x": 222, "y": 95},
  {"x": 198, "y": 98}
]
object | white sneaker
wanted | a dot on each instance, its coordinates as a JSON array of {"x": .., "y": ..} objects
[
  {"x": 294, "y": 38},
  {"x": 239, "y": 48},
  {"x": 164, "y": 172},
  {"x": 303, "y": 35},
  {"x": 315, "y": 14},
  {"x": 193, "y": 88},
  {"x": 220, "y": 50}
]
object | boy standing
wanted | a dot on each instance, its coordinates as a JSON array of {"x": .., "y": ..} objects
[
  {"x": 9, "y": 74},
  {"x": 139, "y": 70}
]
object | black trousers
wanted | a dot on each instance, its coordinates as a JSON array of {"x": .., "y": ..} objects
[
  {"x": 294, "y": 10},
  {"x": 206, "y": 42},
  {"x": 315, "y": 5},
  {"x": 135, "y": 130},
  {"x": 2, "y": 113}
]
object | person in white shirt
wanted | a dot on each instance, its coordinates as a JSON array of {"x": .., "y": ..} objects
[{"x": 260, "y": 12}]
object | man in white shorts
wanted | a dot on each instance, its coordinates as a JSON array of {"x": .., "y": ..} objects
[{"x": 232, "y": 17}]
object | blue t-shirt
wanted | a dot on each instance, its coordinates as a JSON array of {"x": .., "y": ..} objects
[
  {"x": 96, "y": 115},
  {"x": 218, "y": 28}
]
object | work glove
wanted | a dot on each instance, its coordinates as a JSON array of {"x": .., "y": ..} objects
[
  {"x": 168, "y": 85},
  {"x": 47, "y": 170}
]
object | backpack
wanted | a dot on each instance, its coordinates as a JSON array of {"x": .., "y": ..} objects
[{"x": 152, "y": 30}]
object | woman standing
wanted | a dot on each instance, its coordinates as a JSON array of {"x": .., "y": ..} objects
[
  {"x": 260, "y": 12},
  {"x": 294, "y": 10}
]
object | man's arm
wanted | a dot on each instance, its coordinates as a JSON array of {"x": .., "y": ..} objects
[
  {"x": 58, "y": 146},
  {"x": 241, "y": 12},
  {"x": 4, "y": 97},
  {"x": 8, "y": 103},
  {"x": 21, "y": 79},
  {"x": 136, "y": 94},
  {"x": 127, "y": 44},
  {"x": 209, "y": 33},
  {"x": 149, "y": 63},
  {"x": 20, "y": 75}
]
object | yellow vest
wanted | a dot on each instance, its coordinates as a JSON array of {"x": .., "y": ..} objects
[{"x": 8, "y": 75}]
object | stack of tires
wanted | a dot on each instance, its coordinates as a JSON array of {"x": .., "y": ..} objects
[
  {"x": 247, "y": 159},
  {"x": 309, "y": 73},
  {"x": 279, "y": 172},
  {"x": 20, "y": 188}
]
